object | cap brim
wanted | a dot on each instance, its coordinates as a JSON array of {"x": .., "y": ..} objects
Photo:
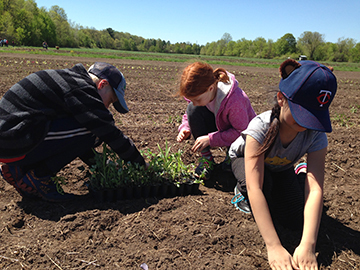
[
  {"x": 319, "y": 120},
  {"x": 121, "y": 107}
]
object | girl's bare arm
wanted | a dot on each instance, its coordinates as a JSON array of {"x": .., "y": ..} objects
[
  {"x": 304, "y": 254},
  {"x": 278, "y": 256}
]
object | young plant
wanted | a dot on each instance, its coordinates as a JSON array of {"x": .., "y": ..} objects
[
  {"x": 107, "y": 172},
  {"x": 169, "y": 166},
  {"x": 110, "y": 171},
  {"x": 59, "y": 181},
  {"x": 208, "y": 166}
]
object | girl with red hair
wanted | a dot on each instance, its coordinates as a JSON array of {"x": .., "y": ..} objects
[{"x": 218, "y": 111}]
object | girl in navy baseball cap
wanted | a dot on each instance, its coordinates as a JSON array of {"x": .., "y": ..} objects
[
  {"x": 264, "y": 156},
  {"x": 309, "y": 88}
]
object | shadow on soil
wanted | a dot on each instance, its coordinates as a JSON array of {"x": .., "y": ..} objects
[{"x": 334, "y": 237}]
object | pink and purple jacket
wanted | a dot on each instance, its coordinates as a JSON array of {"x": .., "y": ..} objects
[{"x": 233, "y": 112}]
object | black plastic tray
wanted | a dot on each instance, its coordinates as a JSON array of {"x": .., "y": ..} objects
[{"x": 136, "y": 192}]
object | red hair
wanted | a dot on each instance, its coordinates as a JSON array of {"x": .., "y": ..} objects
[{"x": 198, "y": 77}]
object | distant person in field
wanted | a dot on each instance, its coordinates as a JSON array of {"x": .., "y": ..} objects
[
  {"x": 4, "y": 42},
  {"x": 264, "y": 156},
  {"x": 52, "y": 117},
  {"x": 217, "y": 112}
]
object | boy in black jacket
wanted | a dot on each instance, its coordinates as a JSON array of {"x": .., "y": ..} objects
[{"x": 52, "y": 117}]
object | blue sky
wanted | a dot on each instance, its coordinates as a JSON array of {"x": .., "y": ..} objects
[{"x": 206, "y": 21}]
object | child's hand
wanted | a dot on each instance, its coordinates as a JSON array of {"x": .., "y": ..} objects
[
  {"x": 183, "y": 135},
  {"x": 305, "y": 258},
  {"x": 200, "y": 143},
  {"x": 280, "y": 258}
]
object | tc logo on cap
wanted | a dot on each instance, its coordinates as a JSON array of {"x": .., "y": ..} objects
[{"x": 324, "y": 97}]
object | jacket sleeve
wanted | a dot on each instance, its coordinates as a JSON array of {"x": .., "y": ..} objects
[
  {"x": 88, "y": 109},
  {"x": 184, "y": 124}
]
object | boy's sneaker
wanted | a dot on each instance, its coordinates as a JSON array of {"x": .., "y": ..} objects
[
  {"x": 12, "y": 175},
  {"x": 32, "y": 187},
  {"x": 204, "y": 169},
  {"x": 45, "y": 188},
  {"x": 240, "y": 202},
  {"x": 301, "y": 168}
]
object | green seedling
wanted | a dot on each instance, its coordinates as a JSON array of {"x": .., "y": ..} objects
[
  {"x": 59, "y": 181},
  {"x": 354, "y": 108},
  {"x": 110, "y": 171},
  {"x": 342, "y": 120}
]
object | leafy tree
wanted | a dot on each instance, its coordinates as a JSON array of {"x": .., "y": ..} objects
[
  {"x": 133, "y": 45},
  {"x": 87, "y": 37},
  {"x": 210, "y": 50},
  {"x": 220, "y": 46},
  {"x": 258, "y": 46},
  {"x": 330, "y": 50},
  {"x": 309, "y": 42},
  {"x": 111, "y": 32},
  {"x": 177, "y": 48},
  {"x": 63, "y": 30},
  {"x": 230, "y": 49},
  {"x": 24, "y": 20},
  {"x": 159, "y": 45},
  {"x": 48, "y": 32},
  {"x": 125, "y": 44},
  {"x": 355, "y": 53},
  {"x": 269, "y": 51},
  {"x": 7, "y": 28},
  {"x": 147, "y": 44},
  {"x": 196, "y": 49},
  {"x": 244, "y": 46},
  {"x": 344, "y": 46},
  {"x": 26, "y": 24},
  {"x": 188, "y": 49},
  {"x": 286, "y": 45},
  {"x": 320, "y": 53},
  {"x": 106, "y": 41},
  {"x": 227, "y": 38}
]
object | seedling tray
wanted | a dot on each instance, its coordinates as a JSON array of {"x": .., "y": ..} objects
[{"x": 166, "y": 190}]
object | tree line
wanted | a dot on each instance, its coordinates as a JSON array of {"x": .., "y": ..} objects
[{"x": 23, "y": 23}]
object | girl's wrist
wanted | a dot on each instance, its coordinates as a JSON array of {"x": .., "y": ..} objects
[
  {"x": 273, "y": 244},
  {"x": 310, "y": 245}
]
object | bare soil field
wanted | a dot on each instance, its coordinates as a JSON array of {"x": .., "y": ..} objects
[{"x": 202, "y": 231}]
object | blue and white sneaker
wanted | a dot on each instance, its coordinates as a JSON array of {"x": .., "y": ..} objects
[{"x": 240, "y": 202}]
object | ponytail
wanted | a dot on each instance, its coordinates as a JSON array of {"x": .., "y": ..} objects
[
  {"x": 221, "y": 75},
  {"x": 271, "y": 133}
]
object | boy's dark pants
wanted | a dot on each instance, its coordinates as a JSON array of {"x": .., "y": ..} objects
[
  {"x": 284, "y": 193},
  {"x": 56, "y": 151}
]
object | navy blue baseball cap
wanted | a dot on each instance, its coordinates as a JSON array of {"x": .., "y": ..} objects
[
  {"x": 310, "y": 89},
  {"x": 116, "y": 80}
]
